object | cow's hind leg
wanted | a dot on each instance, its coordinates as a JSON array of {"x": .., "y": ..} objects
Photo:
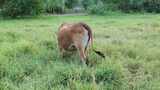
[{"x": 81, "y": 52}]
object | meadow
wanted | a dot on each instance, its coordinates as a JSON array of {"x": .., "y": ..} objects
[{"x": 29, "y": 57}]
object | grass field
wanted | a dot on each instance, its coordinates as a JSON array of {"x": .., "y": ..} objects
[{"x": 29, "y": 57}]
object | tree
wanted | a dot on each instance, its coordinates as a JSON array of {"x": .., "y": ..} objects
[{"x": 16, "y": 8}]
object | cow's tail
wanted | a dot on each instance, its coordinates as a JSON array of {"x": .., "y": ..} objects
[{"x": 90, "y": 40}]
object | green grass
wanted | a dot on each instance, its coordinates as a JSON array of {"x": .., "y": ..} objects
[{"x": 29, "y": 57}]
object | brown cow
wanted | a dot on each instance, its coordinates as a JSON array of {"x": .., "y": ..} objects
[{"x": 75, "y": 36}]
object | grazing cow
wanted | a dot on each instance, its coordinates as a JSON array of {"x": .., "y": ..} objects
[{"x": 75, "y": 36}]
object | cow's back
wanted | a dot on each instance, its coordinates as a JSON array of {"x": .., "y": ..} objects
[
  {"x": 64, "y": 36},
  {"x": 69, "y": 34}
]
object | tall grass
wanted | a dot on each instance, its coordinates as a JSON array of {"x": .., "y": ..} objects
[{"x": 29, "y": 57}]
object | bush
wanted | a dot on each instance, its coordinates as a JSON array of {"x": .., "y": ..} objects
[
  {"x": 16, "y": 8},
  {"x": 60, "y": 6},
  {"x": 70, "y": 4},
  {"x": 131, "y": 5},
  {"x": 140, "y": 5},
  {"x": 152, "y": 6},
  {"x": 101, "y": 6},
  {"x": 98, "y": 8},
  {"x": 1, "y": 3},
  {"x": 86, "y": 3},
  {"x": 54, "y": 6}
]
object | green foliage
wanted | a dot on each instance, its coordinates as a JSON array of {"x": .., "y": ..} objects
[
  {"x": 95, "y": 7},
  {"x": 1, "y": 3},
  {"x": 71, "y": 3},
  {"x": 16, "y": 8},
  {"x": 54, "y": 6},
  {"x": 60, "y": 6},
  {"x": 140, "y": 5},
  {"x": 87, "y": 3},
  {"x": 152, "y": 6}
]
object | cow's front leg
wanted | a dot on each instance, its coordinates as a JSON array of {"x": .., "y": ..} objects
[{"x": 62, "y": 51}]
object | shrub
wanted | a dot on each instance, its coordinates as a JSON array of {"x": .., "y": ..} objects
[
  {"x": 16, "y": 8},
  {"x": 71, "y": 3},
  {"x": 98, "y": 8},
  {"x": 86, "y": 3},
  {"x": 152, "y": 6},
  {"x": 131, "y": 5},
  {"x": 60, "y": 6},
  {"x": 54, "y": 6},
  {"x": 1, "y": 3},
  {"x": 140, "y": 5},
  {"x": 101, "y": 6}
]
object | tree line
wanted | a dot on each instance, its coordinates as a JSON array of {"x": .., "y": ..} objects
[{"x": 18, "y": 8}]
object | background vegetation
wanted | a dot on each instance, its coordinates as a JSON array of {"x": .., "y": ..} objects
[{"x": 16, "y": 8}]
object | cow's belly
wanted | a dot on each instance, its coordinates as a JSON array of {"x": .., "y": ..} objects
[{"x": 85, "y": 39}]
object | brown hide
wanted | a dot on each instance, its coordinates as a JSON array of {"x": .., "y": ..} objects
[{"x": 71, "y": 37}]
